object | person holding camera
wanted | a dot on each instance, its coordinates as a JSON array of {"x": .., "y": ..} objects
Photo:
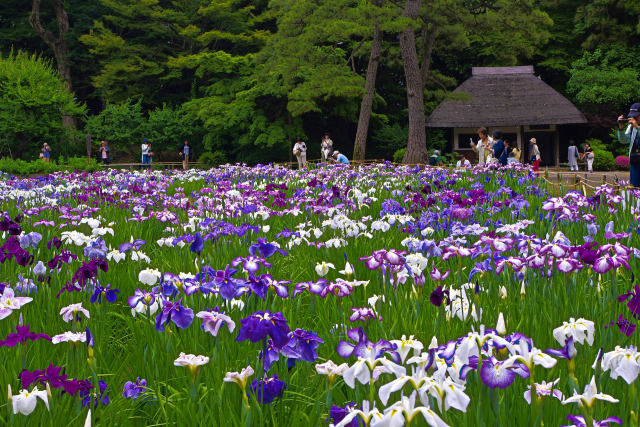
[
  {"x": 326, "y": 148},
  {"x": 632, "y": 137},
  {"x": 483, "y": 145}
]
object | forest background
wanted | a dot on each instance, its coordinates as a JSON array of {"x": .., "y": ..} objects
[{"x": 242, "y": 79}]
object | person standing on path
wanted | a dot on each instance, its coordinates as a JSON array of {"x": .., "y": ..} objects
[
  {"x": 499, "y": 148},
  {"x": 589, "y": 155},
  {"x": 535, "y": 155},
  {"x": 632, "y": 137},
  {"x": 300, "y": 151},
  {"x": 145, "y": 151},
  {"x": 572, "y": 153},
  {"x": 483, "y": 145},
  {"x": 185, "y": 153},
  {"x": 46, "y": 152},
  {"x": 326, "y": 148},
  {"x": 104, "y": 152}
]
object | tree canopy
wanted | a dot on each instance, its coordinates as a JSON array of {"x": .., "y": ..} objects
[{"x": 248, "y": 77}]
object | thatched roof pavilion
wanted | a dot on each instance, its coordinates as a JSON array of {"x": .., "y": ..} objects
[{"x": 512, "y": 99}]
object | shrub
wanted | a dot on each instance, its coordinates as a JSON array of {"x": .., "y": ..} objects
[
  {"x": 33, "y": 101},
  {"x": 398, "y": 155},
  {"x": 39, "y": 166},
  {"x": 216, "y": 158},
  {"x": 622, "y": 162}
]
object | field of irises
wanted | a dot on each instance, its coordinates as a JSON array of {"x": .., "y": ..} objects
[{"x": 375, "y": 295}]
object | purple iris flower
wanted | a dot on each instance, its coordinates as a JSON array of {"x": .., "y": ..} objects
[
  {"x": 7, "y": 225},
  {"x": 147, "y": 298},
  {"x": 55, "y": 242},
  {"x": 302, "y": 345},
  {"x": 270, "y": 354},
  {"x": 497, "y": 374},
  {"x": 12, "y": 250},
  {"x": 634, "y": 301},
  {"x": 197, "y": 245},
  {"x": 337, "y": 414},
  {"x": 480, "y": 267},
  {"x": 22, "y": 336},
  {"x": 579, "y": 421},
  {"x": 251, "y": 264},
  {"x": 30, "y": 240},
  {"x": 265, "y": 249},
  {"x": 55, "y": 378},
  {"x": 89, "y": 270},
  {"x": 438, "y": 295},
  {"x": 174, "y": 311},
  {"x": 363, "y": 314},
  {"x": 109, "y": 294},
  {"x": 362, "y": 345},
  {"x": 127, "y": 246},
  {"x": 567, "y": 352},
  {"x": 97, "y": 398},
  {"x": 229, "y": 287},
  {"x": 133, "y": 390},
  {"x": 25, "y": 286},
  {"x": 267, "y": 389},
  {"x": 286, "y": 233},
  {"x": 97, "y": 249},
  {"x": 625, "y": 326},
  {"x": 262, "y": 324},
  {"x": 89, "y": 338},
  {"x": 65, "y": 257}
]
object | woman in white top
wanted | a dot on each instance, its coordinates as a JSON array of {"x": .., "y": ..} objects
[
  {"x": 463, "y": 162},
  {"x": 326, "y": 148},
  {"x": 483, "y": 146},
  {"x": 300, "y": 151}
]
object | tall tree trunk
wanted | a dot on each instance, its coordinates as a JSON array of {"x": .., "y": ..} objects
[
  {"x": 360, "y": 145},
  {"x": 417, "y": 142},
  {"x": 428, "y": 41},
  {"x": 57, "y": 44}
]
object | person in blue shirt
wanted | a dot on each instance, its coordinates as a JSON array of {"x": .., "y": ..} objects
[
  {"x": 338, "y": 157},
  {"x": 499, "y": 148},
  {"x": 185, "y": 152},
  {"x": 46, "y": 152},
  {"x": 632, "y": 137}
]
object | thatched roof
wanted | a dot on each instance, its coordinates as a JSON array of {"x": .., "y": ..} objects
[{"x": 505, "y": 96}]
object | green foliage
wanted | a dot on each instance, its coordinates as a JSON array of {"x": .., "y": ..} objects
[
  {"x": 169, "y": 126},
  {"x": 399, "y": 155},
  {"x": 213, "y": 159},
  {"x": 40, "y": 167},
  {"x": 32, "y": 103},
  {"x": 436, "y": 140},
  {"x": 603, "y": 159},
  {"x": 123, "y": 125},
  {"x": 608, "y": 77},
  {"x": 248, "y": 77},
  {"x": 387, "y": 140},
  {"x": 509, "y": 31}
]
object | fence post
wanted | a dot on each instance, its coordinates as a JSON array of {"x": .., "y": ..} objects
[{"x": 604, "y": 179}]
